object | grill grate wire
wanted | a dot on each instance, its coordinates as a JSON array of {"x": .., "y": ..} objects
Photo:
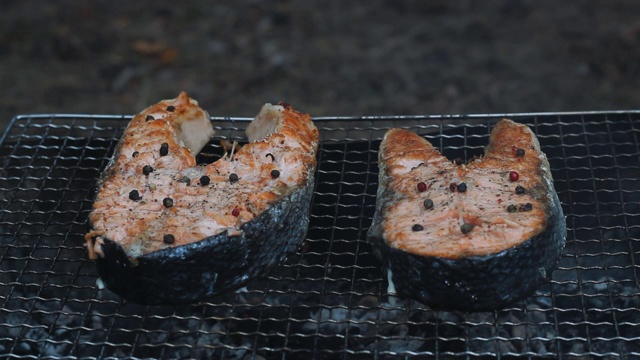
[{"x": 329, "y": 300}]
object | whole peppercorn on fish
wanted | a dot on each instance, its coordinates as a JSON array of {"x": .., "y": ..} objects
[
  {"x": 166, "y": 230},
  {"x": 474, "y": 236}
]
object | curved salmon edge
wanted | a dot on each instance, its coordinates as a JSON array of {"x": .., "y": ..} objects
[
  {"x": 469, "y": 282},
  {"x": 214, "y": 265}
]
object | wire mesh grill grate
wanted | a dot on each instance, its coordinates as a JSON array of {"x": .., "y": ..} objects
[{"x": 329, "y": 300}]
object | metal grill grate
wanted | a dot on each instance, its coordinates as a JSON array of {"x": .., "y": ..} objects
[{"x": 328, "y": 300}]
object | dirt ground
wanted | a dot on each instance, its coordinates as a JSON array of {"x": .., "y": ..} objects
[{"x": 374, "y": 57}]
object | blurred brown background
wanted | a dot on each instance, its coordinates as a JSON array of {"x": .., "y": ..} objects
[{"x": 333, "y": 57}]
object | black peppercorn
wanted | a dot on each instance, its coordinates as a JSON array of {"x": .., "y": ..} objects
[
  {"x": 526, "y": 207},
  {"x": 466, "y": 228},
  {"x": 520, "y": 152},
  {"x": 168, "y": 239},
  {"x": 135, "y": 154},
  {"x": 185, "y": 179},
  {"x": 233, "y": 177},
  {"x": 519, "y": 190},
  {"x": 462, "y": 187},
  {"x": 167, "y": 202},
  {"x": 275, "y": 173},
  {"x": 512, "y": 208},
  {"x": 171, "y": 108},
  {"x": 417, "y": 227},
  {"x": 134, "y": 195},
  {"x": 147, "y": 169},
  {"x": 428, "y": 204},
  {"x": 164, "y": 149},
  {"x": 149, "y": 117},
  {"x": 204, "y": 180}
]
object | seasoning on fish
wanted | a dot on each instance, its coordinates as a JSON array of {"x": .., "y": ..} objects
[
  {"x": 520, "y": 152},
  {"x": 233, "y": 177},
  {"x": 275, "y": 174},
  {"x": 462, "y": 187},
  {"x": 182, "y": 244},
  {"x": 168, "y": 239},
  {"x": 526, "y": 207},
  {"x": 494, "y": 251},
  {"x": 428, "y": 204},
  {"x": 147, "y": 169},
  {"x": 514, "y": 176},
  {"x": 466, "y": 228},
  {"x": 134, "y": 195},
  {"x": 164, "y": 149},
  {"x": 422, "y": 187},
  {"x": 520, "y": 190}
]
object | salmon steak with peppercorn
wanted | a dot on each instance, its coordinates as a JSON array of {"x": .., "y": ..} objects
[
  {"x": 167, "y": 230},
  {"x": 474, "y": 236}
]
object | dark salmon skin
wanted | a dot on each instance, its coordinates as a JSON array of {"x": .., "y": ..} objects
[
  {"x": 474, "y": 236},
  {"x": 165, "y": 230}
]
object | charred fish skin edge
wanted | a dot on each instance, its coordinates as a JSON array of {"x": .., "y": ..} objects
[
  {"x": 506, "y": 277},
  {"x": 473, "y": 282},
  {"x": 214, "y": 265}
]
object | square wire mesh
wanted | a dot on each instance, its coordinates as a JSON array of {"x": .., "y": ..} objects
[{"x": 329, "y": 300}]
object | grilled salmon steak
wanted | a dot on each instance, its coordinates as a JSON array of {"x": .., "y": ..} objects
[
  {"x": 167, "y": 230},
  {"x": 474, "y": 236}
]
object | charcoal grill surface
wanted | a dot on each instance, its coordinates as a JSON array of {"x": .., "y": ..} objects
[{"x": 329, "y": 300}]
